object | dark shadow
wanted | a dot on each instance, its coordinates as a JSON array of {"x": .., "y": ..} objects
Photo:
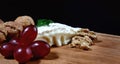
[
  {"x": 9, "y": 58},
  {"x": 34, "y": 62},
  {"x": 51, "y": 56},
  {"x": 97, "y": 41}
]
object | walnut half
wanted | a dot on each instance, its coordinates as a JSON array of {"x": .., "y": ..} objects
[{"x": 83, "y": 39}]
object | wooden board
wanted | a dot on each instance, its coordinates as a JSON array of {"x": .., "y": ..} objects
[{"x": 107, "y": 51}]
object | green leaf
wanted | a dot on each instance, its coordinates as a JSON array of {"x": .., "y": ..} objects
[{"x": 43, "y": 22}]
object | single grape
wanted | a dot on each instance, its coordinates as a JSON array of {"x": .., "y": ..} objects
[
  {"x": 40, "y": 49},
  {"x": 14, "y": 41},
  {"x": 22, "y": 54},
  {"x": 28, "y": 34},
  {"x": 6, "y": 50}
]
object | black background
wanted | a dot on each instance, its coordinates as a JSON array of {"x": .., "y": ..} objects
[{"x": 99, "y": 16}]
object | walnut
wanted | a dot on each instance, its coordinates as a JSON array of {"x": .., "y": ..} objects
[
  {"x": 87, "y": 32},
  {"x": 3, "y": 33},
  {"x": 81, "y": 42},
  {"x": 1, "y": 21},
  {"x": 83, "y": 39},
  {"x": 11, "y": 29},
  {"x": 24, "y": 20}
]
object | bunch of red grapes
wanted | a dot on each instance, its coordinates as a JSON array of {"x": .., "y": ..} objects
[{"x": 24, "y": 48}]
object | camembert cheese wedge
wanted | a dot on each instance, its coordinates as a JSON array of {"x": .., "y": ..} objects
[{"x": 56, "y": 33}]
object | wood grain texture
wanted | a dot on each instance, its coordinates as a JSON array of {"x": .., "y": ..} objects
[{"x": 106, "y": 51}]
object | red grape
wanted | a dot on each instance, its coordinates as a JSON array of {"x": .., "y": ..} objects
[
  {"x": 40, "y": 49},
  {"x": 14, "y": 41},
  {"x": 7, "y": 50},
  {"x": 28, "y": 34},
  {"x": 22, "y": 54}
]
